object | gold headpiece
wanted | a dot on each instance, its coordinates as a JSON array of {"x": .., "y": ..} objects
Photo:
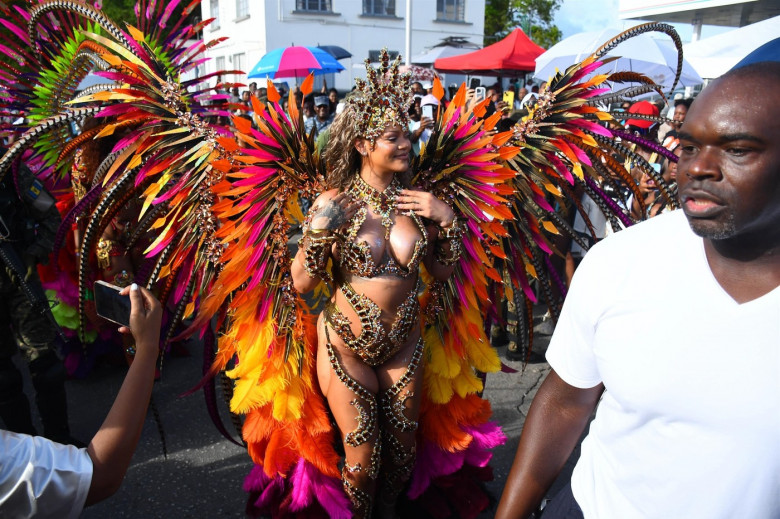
[{"x": 382, "y": 100}]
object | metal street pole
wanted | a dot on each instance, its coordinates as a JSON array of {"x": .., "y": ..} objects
[{"x": 408, "y": 32}]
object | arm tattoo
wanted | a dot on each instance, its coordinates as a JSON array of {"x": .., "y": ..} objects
[{"x": 335, "y": 215}]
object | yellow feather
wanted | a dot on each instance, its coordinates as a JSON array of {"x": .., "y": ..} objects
[
  {"x": 550, "y": 227},
  {"x": 483, "y": 357},
  {"x": 440, "y": 361},
  {"x": 438, "y": 389},
  {"x": 467, "y": 383}
]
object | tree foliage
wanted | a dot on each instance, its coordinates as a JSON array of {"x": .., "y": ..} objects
[{"x": 535, "y": 17}]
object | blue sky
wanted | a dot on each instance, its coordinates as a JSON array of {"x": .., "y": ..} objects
[{"x": 591, "y": 15}]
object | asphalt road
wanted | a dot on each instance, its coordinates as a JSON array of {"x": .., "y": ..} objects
[{"x": 203, "y": 473}]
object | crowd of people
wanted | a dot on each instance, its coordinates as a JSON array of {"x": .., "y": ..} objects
[{"x": 668, "y": 440}]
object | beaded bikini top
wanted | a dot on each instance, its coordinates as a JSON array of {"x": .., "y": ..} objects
[{"x": 356, "y": 255}]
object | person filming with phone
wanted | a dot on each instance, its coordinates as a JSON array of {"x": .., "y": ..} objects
[
  {"x": 42, "y": 478},
  {"x": 420, "y": 131}
]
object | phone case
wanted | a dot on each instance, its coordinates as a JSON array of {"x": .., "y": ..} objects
[{"x": 110, "y": 305}]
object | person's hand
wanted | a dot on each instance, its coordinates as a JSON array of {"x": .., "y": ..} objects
[
  {"x": 334, "y": 213},
  {"x": 426, "y": 205},
  {"x": 425, "y": 123},
  {"x": 145, "y": 318}
]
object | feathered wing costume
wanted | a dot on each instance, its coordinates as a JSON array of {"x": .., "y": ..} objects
[{"x": 220, "y": 205}]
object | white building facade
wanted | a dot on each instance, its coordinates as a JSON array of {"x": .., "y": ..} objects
[{"x": 362, "y": 27}]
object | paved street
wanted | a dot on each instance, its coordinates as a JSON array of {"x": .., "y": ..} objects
[{"x": 203, "y": 473}]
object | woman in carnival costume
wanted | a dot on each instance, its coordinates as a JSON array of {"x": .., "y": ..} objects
[{"x": 377, "y": 232}]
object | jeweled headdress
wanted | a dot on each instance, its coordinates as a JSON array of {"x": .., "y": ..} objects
[{"x": 383, "y": 99}]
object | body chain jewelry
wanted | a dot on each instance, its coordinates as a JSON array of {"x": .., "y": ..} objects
[
  {"x": 393, "y": 402},
  {"x": 367, "y": 418},
  {"x": 384, "y": 204}
]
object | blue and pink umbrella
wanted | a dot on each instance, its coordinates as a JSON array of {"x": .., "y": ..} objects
[{"x": 297, "y": 61}]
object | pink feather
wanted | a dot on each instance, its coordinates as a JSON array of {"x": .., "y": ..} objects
[
  {"x": 331, "y": 497},
  {"x": 168, "y": 12},
  {"x": 432, "y": 462},
  {"x": 301, "y": 480}
]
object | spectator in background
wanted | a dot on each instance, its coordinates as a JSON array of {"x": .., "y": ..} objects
[
  {"x": 427, "y": 86},
  {"x": 235, "y": 96},
  {"x": 333, "y": 99},
  {"x": 420, "y": 130},
  {"x": 678, "y": 117},
  {"x": 262, "y": 95},
  {"x": 417, "y": 89},
  {"x": 253, "y": 88},
  {"x": 323, "y": 116},
  {"x": 643, "y": 127},
  {"x": 308, "y": 110},
  {"x": 521, "y": 93},
  {"x": 41, "y": 478}
]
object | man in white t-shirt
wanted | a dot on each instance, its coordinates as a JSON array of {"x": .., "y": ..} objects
[{"x": 674, "y": 326}]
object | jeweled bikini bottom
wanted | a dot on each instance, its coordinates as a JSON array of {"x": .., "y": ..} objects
[{"x": 374, "y": 345}]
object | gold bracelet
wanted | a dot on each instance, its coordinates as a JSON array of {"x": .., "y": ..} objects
[
  {"x": 315, "y": 246},
  {"x": 452, "y": 236}
]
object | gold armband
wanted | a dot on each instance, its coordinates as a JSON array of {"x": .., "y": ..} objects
[
  {"x": 105, "y": 249},
  {"x": 449, "y": 244},
  {"x": 316, "y": 244}
]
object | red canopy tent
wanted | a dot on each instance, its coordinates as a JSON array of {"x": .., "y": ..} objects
[{"x": 514, "y": 53}]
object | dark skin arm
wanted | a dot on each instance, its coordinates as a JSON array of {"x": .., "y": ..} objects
[
  {"x": 112, "y": 447},
  {"x": 558, "y": 415}
]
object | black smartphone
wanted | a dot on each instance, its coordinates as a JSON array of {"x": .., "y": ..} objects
[{"x": 110, "y": 305}]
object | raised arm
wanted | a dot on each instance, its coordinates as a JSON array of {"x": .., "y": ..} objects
[
  {"x": 112, "y": 447},
  {"x": 558, "y": 415}
]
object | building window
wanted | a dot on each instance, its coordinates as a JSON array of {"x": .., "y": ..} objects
[
  {"x": 450, "y": 10},
  {"x": 219, "y": 65},
  {"x": 239, "y": 63},
  {"x": 214, "y": 13},
  {"x": 242, "y": 8},
  {"x": 319, "y": 6},
  {"x": 379, "y": 7}
]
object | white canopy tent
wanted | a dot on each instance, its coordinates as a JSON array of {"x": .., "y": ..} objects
[{"x": 712, "y": 57}]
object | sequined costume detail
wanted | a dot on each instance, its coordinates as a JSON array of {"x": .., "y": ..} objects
[
  {"x": 374, "y": 345},
  {"x": 367, "y": 418},
  {"x": 356, "y": 256},
  {"x": 393, "y": 402}
]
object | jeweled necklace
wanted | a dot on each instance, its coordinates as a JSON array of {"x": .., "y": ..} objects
[{"x": 384, "y": 204}]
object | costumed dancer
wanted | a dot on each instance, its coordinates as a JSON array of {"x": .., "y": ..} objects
[{"x": 377, "y": 232}]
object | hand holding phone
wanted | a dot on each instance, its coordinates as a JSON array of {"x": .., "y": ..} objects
[
  {"x": 427, "y": 111},
  {"x": 479, "y": 93},
  {"x": 110, "y": 304}
]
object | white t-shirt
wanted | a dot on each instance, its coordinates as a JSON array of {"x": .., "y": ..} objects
[
  {"x": 689, "y": 424},
  {"x": 40, "y": 478}
]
